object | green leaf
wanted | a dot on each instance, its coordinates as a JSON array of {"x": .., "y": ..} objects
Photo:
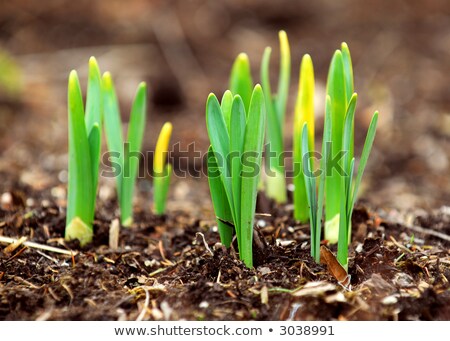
[
  {"x": 94, "y": 152},
  {"x": 310, "y": 189},
  {"x": 323, "y": 169},
  {"x": 113, "y": 127},
  {"x": 284, "y": 78},
  {"x": 136, "y": 130},
  {"x": 336, "y": 91},
  {"x": 94, "y": 111},
  {"x": 220, "y": 142},
  {"x": 236, "y": 148},
  {"x": 241, "y": 82},
  {"x": 94, "y": 103},
  {"x": 348, "y": 71},
  {"x": 342, "y": 252},
  {"x": 349, "y": 87},
  {"x": 219, "y": 198},
  {"x": 253, "y": 144},
  {"x": 348, "y": 131},
  {"x": 370, "y": 137},
  {"x": 304, "y": 113},
  {"x": 227, "y": 101},
  {"x": 80, "y": 187},
  {"x": 275, "y": 188},
  {"x": 161, "y": 185}
]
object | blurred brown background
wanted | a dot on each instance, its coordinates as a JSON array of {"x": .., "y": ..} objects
[{"x": 184, "y": 49}]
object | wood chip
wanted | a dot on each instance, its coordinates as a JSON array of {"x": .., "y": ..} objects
[
  {"x": 335, "y": 268},
  {"x": 11, "y": 247},
  {"x": 315, "y": 289},
  {"x": 114, "y": 230},
  {"x": 264, "y": 295}
]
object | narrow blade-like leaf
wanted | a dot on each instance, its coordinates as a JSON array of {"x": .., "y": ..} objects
[
  {"x": 220, "y": 142},
  {"x": 241, "y": 82},
  {"x": 94, "y": 113},
  {"x": 135, "y": 135},
  {"x": 336, "y": 91},
  {"x": 284, "y": 78},
  {"x": 94, "y": 152},
  {"x": 349, "y": 87},
  {"x": 225, "y": 105},
  {"x": 238, "y": 122},
  {"x": 365, "y": 155},
  {"x": 80, "y": 189},
  {"x": 275, "y": 182},
  {"x": 310, "y": 189},
  {"x": 113, "y": 129},
  {"x": 348, "y": 131},
  {"x": 251, "y": 171},
  {"x": 219, "y": 199},
  {"x": 304, "y": 113}
]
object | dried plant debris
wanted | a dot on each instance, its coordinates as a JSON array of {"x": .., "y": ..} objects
[{"x": 174, "y": 267}]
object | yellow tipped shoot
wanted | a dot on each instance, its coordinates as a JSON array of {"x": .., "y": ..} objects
[
  {"x": 304, "y": 113},
  {"x": 162, "y": 147},
  {"x": 161, "y": 170}
]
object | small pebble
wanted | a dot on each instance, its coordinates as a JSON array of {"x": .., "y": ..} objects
[
  {"x": 203, "y": 305},
  {"x": 6, "y": 200},
  {"x": 389, "y": 300},
  {"x": 63, "y": 176},
  {"x": 261, "y": 223}
]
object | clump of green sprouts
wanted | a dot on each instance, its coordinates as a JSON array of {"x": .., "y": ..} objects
[
  {"x": 234, "y": 165},
  {"x": 338, "y": 162},
  {"x": 337, "y": 185},
  {"x": 85, "y": 147}
]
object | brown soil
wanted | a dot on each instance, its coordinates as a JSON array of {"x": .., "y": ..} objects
[
  {"x": 400, "y": 262},
  {"x": 395, "y": 274}
]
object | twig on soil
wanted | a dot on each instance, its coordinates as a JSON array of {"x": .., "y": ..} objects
[
  {"x": 16, "y": 254},
  {"x": 69, "y": 291},
  {"x": 202, "y": 236},
  {"x": 400, "y": 246},
  {"x": 24, "y": 281},
  {"x": 430, "y": 232},
  {"x": 146, "y": 304},
  {"x": 163, "y": 254},
  {"x": 7, "y": 240},
  {"x": 48, "y": 257},
  {"x": 11, "y": 247}
]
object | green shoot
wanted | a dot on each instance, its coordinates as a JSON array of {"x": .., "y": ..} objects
[
  {"x": 349, "y": 188},
  {"x": 315, "y": 201},
  {"x": 84, "y": 154},
  {"x": 241, "y": 82},
  {"x": 234, "y": 165},
  {"x": 339, "y": 88},
  {"x": 304, "y": 113},
  {"x": 161, "y": 170},
  {"x": 276, "y": 109},
  {"x": 125, "y": 155}
]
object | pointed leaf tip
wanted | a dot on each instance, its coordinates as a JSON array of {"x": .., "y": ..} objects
[
  {"x": 143, "y": 85},
  {"x": 73, "y": 75},
  {"x": 243, "y": 58},
  {"x": 93, "y": 62}
]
